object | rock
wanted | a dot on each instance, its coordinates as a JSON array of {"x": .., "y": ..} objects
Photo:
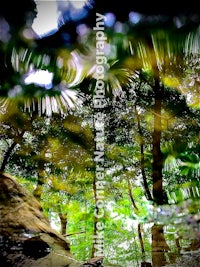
[{"x": 26, "y": 237}]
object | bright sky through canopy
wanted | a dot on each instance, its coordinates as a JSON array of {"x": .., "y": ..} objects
[
  {"x": 47, "y": 17},
  {"x": 48, "y": 13},
  {"x": 42, "y": 78}
]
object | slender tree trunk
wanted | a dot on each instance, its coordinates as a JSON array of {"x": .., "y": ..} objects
[
  {"x": 38, "y": 190},
  {"x": 9, "y": 151},
  {"x": 143, "y": 263},
  {"x": 63, "y": 222},
  {"x": 7, "y": 156},
  {"x": 157, "y": 154},
  {"x": 141, "y": 241},
  {"x": 40, "y": 182},
  {"x": 131, "y": 194},
  {"x": 142, "y": 161}
]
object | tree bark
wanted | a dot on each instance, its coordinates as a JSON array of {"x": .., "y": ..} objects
[
  {"x": 157, "y": 154},
  {"x": 141, "y": 241},
  {"x": 142, "y": 161},
  {"x": 9, "y": 151},
  {"x": 16, "y": 141},
  {"x": 7, "y": 156},
  {"x": 40, "y": 182},
  {"x": 131, "y": 195},
  {"x": 63, "y": 222},
  {"x": 63, "y": 218},
  {"x": 159, "y": 246}
]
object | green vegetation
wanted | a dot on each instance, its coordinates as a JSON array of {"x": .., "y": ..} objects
[{"x": 151, "y": 140}]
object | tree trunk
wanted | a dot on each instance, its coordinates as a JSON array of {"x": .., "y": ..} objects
[
  {"x": 141, "y": 241},
  {"x": 130, "y": 194},
  {"x": 16, "y": 141},
  {"x": 63, "y": 222},
  {"x": 7, "y": 156},
  {"x": 142, "y": 161},
  {"x": 40, "y": 182},
  {"x": 157, "y": 154},
  {"x": 63, "y": 218},
  {"x": 9, "y": 151},
  {"x": 159, "y": 246},
  {"x": 143, "y": 263}
]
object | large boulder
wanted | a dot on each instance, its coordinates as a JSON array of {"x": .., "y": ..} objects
[{"x": 26, "y": 237}]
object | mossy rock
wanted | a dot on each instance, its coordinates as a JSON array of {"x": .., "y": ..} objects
[{"x": 26, "y": 237}]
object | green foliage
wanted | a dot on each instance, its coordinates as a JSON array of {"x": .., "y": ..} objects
[{"x": 54, "y": 133}]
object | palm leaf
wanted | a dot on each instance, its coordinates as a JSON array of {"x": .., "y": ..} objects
[{"x": 62, "y": 93}]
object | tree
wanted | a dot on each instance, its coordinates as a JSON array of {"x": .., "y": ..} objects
[{"x": 151, "y": 96}]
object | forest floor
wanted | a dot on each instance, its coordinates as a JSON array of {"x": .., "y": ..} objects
[{"x": 189, "y": 259}]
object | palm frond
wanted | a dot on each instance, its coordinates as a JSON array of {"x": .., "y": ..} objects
[
  {"x": 183, "y": 157},
  {"x": 60, "y": 95}
]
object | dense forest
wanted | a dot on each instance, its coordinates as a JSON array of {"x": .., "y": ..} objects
[{"x": 99, "y": 135}]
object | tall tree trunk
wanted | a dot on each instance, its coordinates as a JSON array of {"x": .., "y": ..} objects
[
  {"x": 40, "y": 182},
  {"x": 9, "y": 151},
  {"x": 63, "y": 218},
  {"x": 142, "y": 161},
  {"x": 143, "y": 263},
  {"x": 157, "y": 154},
  {"x": 16, "y": 141},
  {"x": 7, "y": 156},
  {"x": 159, "y": 246},
  {"x": 131, "y": 194},
  {"x": 141, "y": 241},
  {"x": 63, "y": 222}
]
